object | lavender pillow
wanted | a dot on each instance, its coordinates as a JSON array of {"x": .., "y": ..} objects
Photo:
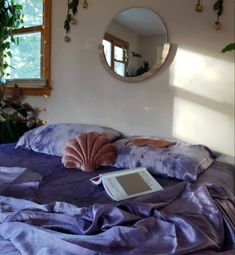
[
  {"x": 178, "y": 160},
  {"x": 51, "y": 139}
]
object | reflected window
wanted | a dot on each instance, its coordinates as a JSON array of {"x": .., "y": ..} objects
[
  {"x": 119, "y": 68},
  {"x": 115, "y": 51},
  {"x": 107, "y": 47}
]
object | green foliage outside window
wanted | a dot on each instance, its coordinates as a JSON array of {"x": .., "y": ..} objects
[{"x": 27, "y": 55}]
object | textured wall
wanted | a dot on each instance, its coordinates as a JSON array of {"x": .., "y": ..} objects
[{"x": 192, "y": 100}]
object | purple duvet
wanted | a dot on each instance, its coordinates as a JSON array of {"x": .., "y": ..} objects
[{"x": 46, "y": 209}]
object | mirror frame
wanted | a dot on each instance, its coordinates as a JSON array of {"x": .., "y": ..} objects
[{"x": 166, "y": 52}]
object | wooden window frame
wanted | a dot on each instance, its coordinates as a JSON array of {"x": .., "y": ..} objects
[
  {"x": 45, "y": 30},
  {"x": 116, "y": 41}
]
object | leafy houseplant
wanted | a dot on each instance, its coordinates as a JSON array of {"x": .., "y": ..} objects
[
  {"x": 16, "y": 117},
  {"x": 229, "y": 47},
  {"x": 11, "y": 18}
]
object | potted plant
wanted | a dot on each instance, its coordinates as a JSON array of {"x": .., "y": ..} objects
[{"x": 16, "y": 117}]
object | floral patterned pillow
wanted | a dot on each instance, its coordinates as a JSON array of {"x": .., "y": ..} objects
[
  {"x": 52, "y": 138},
  {"x": 175, "y": 159}
]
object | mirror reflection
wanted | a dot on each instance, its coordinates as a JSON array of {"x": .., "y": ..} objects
[{"x": 134, "y": 42}]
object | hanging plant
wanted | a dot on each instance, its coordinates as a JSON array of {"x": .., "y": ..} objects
[
  {"x": 71, "y": 12},
  {"x": 198, "y": 7},
  {"x": 11, "y": 18},
  {"x": 72, "y": 6},
  {"x": 218, "y": 6},
  {"x": 229, "y": 47}
]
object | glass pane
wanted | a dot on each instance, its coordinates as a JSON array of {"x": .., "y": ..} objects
[
  {"x": 26, "y": 57},
  {"x": 118, "y": 53},
  {"x": 107, "y": 51},
  {"x": 119, "y": 68},
  {"x": 32, "y": 10}
]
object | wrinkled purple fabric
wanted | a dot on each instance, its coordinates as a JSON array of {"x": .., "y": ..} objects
[
  {"x": 46, "y": 209},
  {"x": 138, "y": 227}
]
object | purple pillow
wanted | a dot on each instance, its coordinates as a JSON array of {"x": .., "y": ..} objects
[
  {"x": 178, "y": 160},
  {"x": 51, "y": 139}
]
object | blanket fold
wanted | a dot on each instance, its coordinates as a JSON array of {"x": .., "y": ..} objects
[{"x": 162, "y": 226}]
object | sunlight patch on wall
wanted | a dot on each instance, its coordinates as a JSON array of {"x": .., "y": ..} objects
[
  {"x": 203, "y": 75},
  {"x": 200, "y": 125}
]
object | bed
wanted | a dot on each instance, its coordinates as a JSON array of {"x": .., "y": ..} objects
[{"x": 46, "y": 208}]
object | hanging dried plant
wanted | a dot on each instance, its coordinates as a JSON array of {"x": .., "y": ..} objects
[{"x": 198, "y": 7}]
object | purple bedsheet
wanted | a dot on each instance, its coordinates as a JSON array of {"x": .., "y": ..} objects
[{"x": 47, "y": 209}]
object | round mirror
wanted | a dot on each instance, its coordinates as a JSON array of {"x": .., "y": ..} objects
[{"x": 134, "y": 45}]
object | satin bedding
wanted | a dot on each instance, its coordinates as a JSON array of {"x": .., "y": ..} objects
[{"x": 47, "y": 209}]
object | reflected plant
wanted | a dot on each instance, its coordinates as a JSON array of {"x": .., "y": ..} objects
[{"x": 141, "y": 70}]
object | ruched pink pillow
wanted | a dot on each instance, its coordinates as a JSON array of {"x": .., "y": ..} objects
[{"x": 88, "y": 151}]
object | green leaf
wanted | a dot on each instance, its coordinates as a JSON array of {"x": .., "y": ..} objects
[
  {"x": 9, "y": 54},
  {"x": 228, "y": 47}
]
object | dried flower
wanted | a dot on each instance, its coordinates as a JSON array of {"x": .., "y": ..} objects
[
  {"x": 85, "y": 4},
  {"x": 74, "y": 21},
  {"x": 67, "y": 39},
  {"x": 217, "y": 25},
  {"x": 198, "y": 7}
]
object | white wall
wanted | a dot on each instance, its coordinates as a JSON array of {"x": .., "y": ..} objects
[{"x": 192, "y": 100}]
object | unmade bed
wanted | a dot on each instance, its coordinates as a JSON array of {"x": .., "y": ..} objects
[{"x": 46, "y": 208}]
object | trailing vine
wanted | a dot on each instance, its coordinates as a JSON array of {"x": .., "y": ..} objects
[
  {"x": 72, "y": 10},
  {"x": 218, "y": 6},
  {"x": 11, "y": 18}
]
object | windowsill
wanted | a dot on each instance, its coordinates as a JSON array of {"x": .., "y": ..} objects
[
  {"x": 29, "y": 87},
  {"x": 30, "y": 90}
]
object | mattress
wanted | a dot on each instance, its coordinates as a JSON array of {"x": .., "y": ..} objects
[
  {"x": 73, "y": 186},
  {"x": 58, "y": 205}
]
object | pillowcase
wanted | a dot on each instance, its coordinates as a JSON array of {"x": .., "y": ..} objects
[
  {"x": 51, "y": 139},
  {"x": 89, "y": 151},
  {"x": 177, "y": 159}
]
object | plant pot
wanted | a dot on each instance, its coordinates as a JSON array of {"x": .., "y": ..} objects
[{"x": 8, "y": 132}]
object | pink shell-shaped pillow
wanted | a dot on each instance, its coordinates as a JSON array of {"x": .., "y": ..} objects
[{"x": 88, "y": 151}]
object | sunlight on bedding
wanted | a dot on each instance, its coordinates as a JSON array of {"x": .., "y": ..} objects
[
  {"x": 195, "y": 123},
  {"x": 199, "y": 74}
]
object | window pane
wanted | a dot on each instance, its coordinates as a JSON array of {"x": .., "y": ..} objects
[
  {"x": 118, "y": 53},
  {"x": 26, "y": 57},
  {"x": 119, "y": 68},
  {"x": 107, "y": 51},
  {"x": 32, "y": 10}
]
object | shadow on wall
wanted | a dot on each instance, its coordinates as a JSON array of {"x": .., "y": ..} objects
[{"x": 203, "y": 108}]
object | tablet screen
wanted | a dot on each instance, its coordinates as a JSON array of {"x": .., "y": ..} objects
[{"x": 133, "y": 183}]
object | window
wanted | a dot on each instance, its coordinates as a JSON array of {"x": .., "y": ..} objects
[
  {"x": 115, "y": 51},
  {"x": 31, "y": 58}
]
